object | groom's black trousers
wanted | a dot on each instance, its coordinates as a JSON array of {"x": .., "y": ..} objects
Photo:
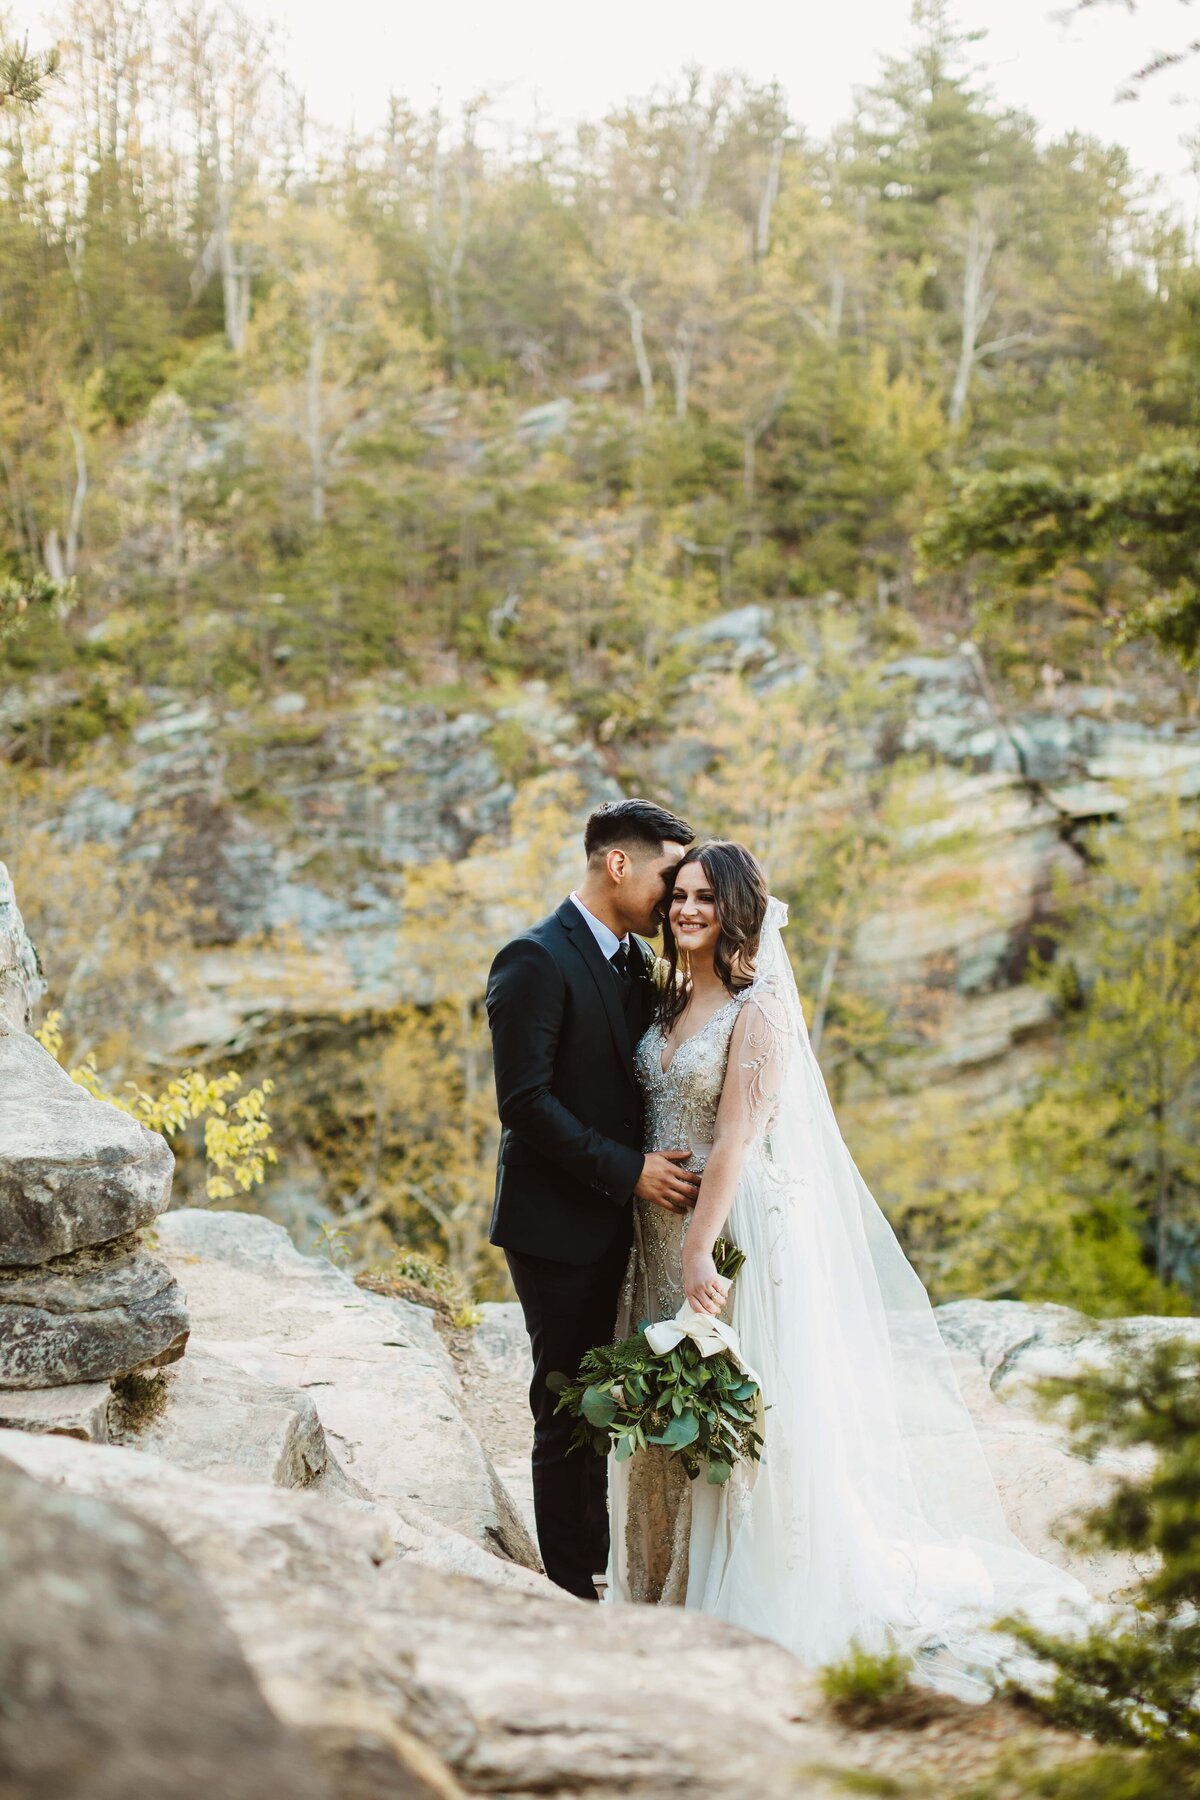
[{"x": 569, "y": 1308}]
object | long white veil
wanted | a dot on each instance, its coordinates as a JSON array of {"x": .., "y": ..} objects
[{"x": 873, "y": 1516}]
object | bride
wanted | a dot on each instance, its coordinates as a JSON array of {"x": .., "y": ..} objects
[{"x": 872, "y": 1517}]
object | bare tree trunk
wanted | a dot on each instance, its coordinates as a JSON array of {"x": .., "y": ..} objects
[
  {"x": 837, "y": 297},
  {"x": 52, "y": 556},
  {"x": 454, "y": 269},
  {"x": 679, "y": 357},
  {"x": 75, "y": 519},
  {"x": 824, "y": 990},
  {"x": 977, "y": 301},
  {"x": 766, "y": 205},
  {"x": 1162, "y": 1179},
  {"x": 235, "y": 281},
  {"x": 312, "y": 412},
  {"x": 175, "y": 515},
  {"x": 637, "y": 335},
  {"x": 445, "y": 267}
]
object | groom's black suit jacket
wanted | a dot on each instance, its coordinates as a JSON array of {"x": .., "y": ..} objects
[{"x": 563, "y": 1036}]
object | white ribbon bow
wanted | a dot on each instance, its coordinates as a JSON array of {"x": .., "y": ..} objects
[{"x": 709, "y": 1334}]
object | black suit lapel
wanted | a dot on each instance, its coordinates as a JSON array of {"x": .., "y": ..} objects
[
  {"x": 577, "y": 929},
  {"x": 642, "y": 960}
]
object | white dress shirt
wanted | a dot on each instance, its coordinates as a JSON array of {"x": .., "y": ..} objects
[{"x": 604, "y": 935}]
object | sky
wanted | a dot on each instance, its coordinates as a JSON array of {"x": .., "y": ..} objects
[{"x": 569, "y": 62}]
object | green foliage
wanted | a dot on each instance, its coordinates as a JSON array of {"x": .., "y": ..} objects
[
  {"x": 1168, "y": 1775},
  {"x": 61, "y": 730},
  {"x": 542, "y": 412},
  {"x": 425, "y": 1271},
  {"x": 23, "y": 77},
  {"x": 138, "y": 1399},
  {"x": 425, "y": 1279},
  {"x": 16, "y": 598},
  {"x": 702, "y": 1409},
  {"x": 1136, "y": 1683},
  {"x": 1145, "y": 516},
  {"x": 862, "y": 1687},
  {"x": 1087, "y": 1191},
  {"x": 1127, "y": 978}
]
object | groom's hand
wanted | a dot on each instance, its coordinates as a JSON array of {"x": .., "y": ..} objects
[{"x": 664, "y": 1182}]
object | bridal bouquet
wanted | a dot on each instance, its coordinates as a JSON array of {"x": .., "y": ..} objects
[{"x": 680, "y": 1385}]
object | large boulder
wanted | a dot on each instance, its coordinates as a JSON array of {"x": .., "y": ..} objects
[
  {"x": 213, "y": 1417},
  {"x": 1001, "y": 1350},
  {"x": 79, "y": 1411},
  {"x": 89, "y": 1317},
  {"x": 21, "y": 982},
  {"x": 385, "y": 1386},
  {"x": 120, "y": 1677},
  {"x": 74, "y": 1171},
  {"x": 516, "y": 1693},
  {"x": 80, "y": 1299}
]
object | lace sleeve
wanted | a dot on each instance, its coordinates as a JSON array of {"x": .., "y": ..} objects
[{"x": 754, "y": 1073}]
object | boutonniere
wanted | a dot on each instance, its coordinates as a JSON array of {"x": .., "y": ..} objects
[
  {"x": 658, "y": 971},
  {"x": 642, "y": 968}
]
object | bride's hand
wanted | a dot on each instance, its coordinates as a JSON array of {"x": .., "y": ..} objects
[{"x": 703, "y": 1288}]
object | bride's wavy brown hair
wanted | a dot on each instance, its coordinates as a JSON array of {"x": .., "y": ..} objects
[{"x": 740, "y": 891}]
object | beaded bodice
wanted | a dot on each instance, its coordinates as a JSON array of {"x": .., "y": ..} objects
[
  {"x": 681, "y": 1105},
  {"x": 681, "y": 1114}
]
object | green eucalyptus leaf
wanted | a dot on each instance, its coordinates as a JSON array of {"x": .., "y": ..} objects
[
  {"x": 680, "y": 1432},
  {"x": 599, "y": 1407}
]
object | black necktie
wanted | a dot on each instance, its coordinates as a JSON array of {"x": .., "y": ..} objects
[{"x": 620, "y": 963}]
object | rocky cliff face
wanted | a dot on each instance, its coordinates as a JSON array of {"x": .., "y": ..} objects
[
  {"x": 81, "y": 1300},
  {"x": 308, "y": 1574},
  {"x": 290, "y": 839},
  {"x": 21, "y": 981}
]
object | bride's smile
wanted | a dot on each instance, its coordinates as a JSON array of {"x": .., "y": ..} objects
[{"x": 692, "y": 915}]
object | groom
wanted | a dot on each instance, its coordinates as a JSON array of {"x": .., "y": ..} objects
[{"x": 567, "y": 1002}]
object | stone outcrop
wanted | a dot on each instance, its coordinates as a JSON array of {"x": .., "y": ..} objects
[
  {"x": 21, "y": 981},
  {"x": 316, "y": 1466},
  {"x": 120, "y": 1677},
  {"x": 211, "y": 1416},
  {"x": 509, "y": 1693},
  {"x": 73, "y": 1171},
  {"x": 89, "y": 1316},
  {"x": 291, "y": 835},
  {"x": 81, "y": 1301},
  {"x": 79, "y": 1411},
  {"x": 385, "y": 1386},
  {"x": 1001, "y": 1348},
  {"x": 370, "y": 792}
]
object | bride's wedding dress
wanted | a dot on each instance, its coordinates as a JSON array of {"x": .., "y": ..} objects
[{"x": 872, "y": 1517}]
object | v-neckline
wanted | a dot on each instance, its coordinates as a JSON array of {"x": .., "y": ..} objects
[{"x": 692, "y": 1036}]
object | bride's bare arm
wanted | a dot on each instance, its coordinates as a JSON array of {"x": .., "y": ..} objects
[{"x": 748, "y": 1091}]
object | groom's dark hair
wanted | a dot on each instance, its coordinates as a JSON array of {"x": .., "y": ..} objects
[{"x": 629, "y": 822}]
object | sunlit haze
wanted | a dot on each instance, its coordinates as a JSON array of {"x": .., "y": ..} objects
[{"x": 540, "y": 59}]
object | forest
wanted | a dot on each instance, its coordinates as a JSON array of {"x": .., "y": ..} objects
[{"x": 458, "y": 426}]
